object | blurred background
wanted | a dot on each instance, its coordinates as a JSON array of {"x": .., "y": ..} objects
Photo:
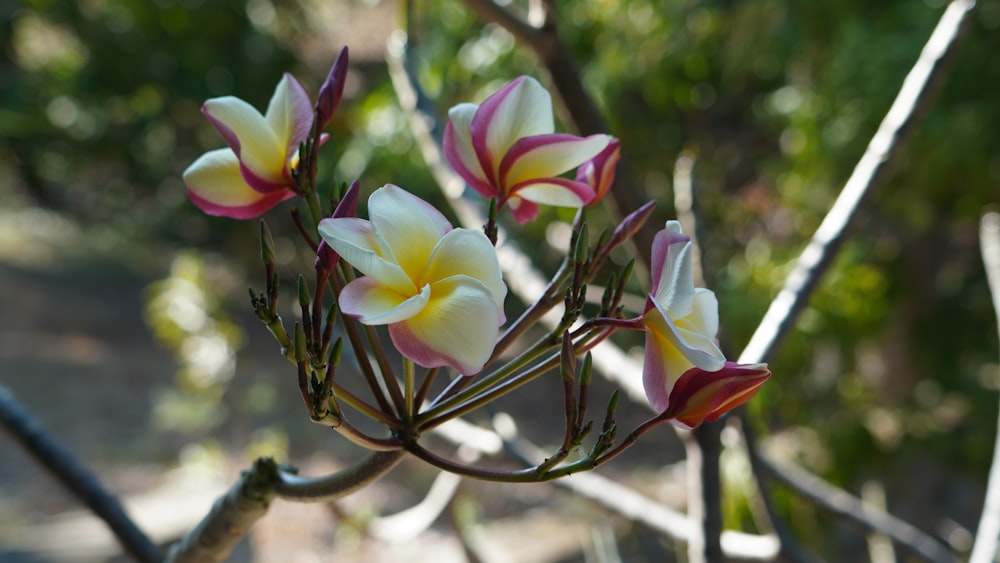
[{"x": 126, "y": 327}]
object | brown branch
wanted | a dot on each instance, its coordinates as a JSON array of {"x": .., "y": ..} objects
[
  {"x": 58, "y": 460},
  {"x": 985, "y": 548},
  {"x": 247, "y": 501}
]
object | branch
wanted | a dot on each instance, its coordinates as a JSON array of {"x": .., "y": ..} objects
[
  {"x": 247, "y": 501},
  {"x": 58, "y": 460},
  {"x": 985, "y": 548},
  {"x": 840, "y": 503},
  {"x": 914, "y": 96}
]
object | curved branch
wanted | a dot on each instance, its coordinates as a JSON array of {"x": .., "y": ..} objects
[
  {"x": 985, "y": 547},
  {"x": 248, "y": 500},
  {"x": 58, "y": 460}
]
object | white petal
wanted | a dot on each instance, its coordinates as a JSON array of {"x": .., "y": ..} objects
[
  {"x": 521, "y": 109},
  {"x": 376, "y": 305},
  {"x": 355, "y": 241},
  {"x": 458, "y": 327},
  {"x": 468, "y": 252},
  {"x": 407, "y": 228},
  {"x": 290, "y": 113},
  {"x": 258, "y": 147}
]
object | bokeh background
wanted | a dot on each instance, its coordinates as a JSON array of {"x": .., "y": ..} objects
[{"x": 125, "y": 325}]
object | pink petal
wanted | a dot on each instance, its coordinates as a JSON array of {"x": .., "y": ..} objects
[
  {"x": 522, "y": 209},
  {"x": 289, "y": 114},
  {"x": 698, "y": 395},
  {"x": 460, "y": 154},
  {"x": 545, "y": 156},
  {"x": 215, "y": 185},
  {"x": 673, "y": 279},
  {"x": 522, "y": 108},
  {"x": 599, "y": 172},
  {"x": 558, "y": 192}
]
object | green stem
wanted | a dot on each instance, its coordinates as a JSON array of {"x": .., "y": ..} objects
[
  {"x": 470, "y": 400},
  {"x": 460, "y": 395},
  {"x": 385, "y": 417},
  {"x": 408, "y": 386},
  {"x": 549, "y": 299}
]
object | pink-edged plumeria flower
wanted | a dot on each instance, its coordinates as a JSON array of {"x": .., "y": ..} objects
[
  {"x": 255, "y": 173},
  {"x": 599, "y": 172},
  {"x": 506, "y": 148},
  {"x": 685, "y": 375},
  {"x": 438, "y": 288}
]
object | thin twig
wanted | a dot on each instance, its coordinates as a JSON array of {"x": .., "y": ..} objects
[
  {"x": 985, "y": 547},
  {"x": 913, "y": 97},
  {"x": 852, "y": 509},
  {"x": 58, "y": 460}
]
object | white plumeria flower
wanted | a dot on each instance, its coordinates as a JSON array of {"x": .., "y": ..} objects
[
  {"x": 506, "y": 148},
  {"x": 685, "y": 374},
  {"x": 255, "y": 173},
  {"x": 438, "y": 288}
]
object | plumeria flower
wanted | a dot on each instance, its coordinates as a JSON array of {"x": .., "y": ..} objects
[
  {"x": 685, "y": 375},
  {"x": 599, "y": 172},
  {"x": 506, "y": 148},
  {"x": 254, "y": 173},
  {"x": 438, "y": 288}
]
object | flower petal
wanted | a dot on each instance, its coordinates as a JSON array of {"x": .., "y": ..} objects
[
  {"x": 559, "y": 192},
  {"x": 700, "y": 349},
  {"x": 249, "y": 135},
  {"x": 599, "y": 172},
  {"x": 700, "y": 396},
  {"x": 354, "y": 240},
  {"x": 673, "y": 281},
  {"x": 407, "y": 228},
  {"x": 545, "y": 156},
  {"x": 522, "y": 108},
  {"x": 289, "y": 114},
  {"x": 468, "y": 252},
  {"x": 457, "y": 328},
  {"x": 458, "y": 151},
  {"x": 663, "y": 365},
  {"x": 215, "y": 185},
  {"x": 522, "y": 209},
  {"x": 375, "y": 304}
]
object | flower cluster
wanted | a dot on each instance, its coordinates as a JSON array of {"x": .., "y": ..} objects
[{"x": 440, "y": 291}]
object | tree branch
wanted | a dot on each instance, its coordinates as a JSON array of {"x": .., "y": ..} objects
[
  {"x": 852, "y": 509},
  {"x": 913, "y": 98},
  {"x": 985, "y": 547},
  {"x": 58, "y": 460},
  {"x": 247, "y": 501}
]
